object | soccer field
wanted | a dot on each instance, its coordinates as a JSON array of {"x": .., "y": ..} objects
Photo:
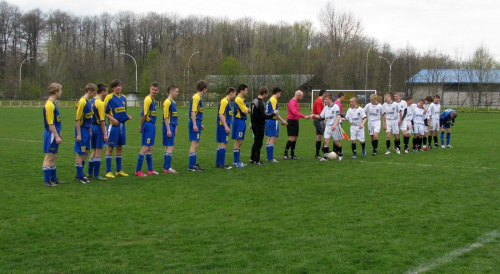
[{"x": 433, "y": 211}]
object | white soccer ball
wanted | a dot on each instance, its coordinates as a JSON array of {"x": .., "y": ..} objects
[{"x": 332, "y": 155}]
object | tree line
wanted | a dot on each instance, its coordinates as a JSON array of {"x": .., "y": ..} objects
[{"x": 58, "y": 46}]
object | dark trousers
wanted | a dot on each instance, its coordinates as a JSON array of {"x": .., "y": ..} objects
[{"x": 258, "y": 140}]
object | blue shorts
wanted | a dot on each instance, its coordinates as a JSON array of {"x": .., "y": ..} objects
[
  {"x": 49, "y": 142},
  {"x": 239, "y": 127},
  {"x": 443, "y": 124},
  {"x": 97, "y": 138},
  {"x": 84, "y": 145},
  {"x": 169, "y": 141},
  {"x": 116, "y": 135},
  {"x": 221, "y": 136},
  {"x": 148, "y": 134},
  {"x": 194, "y": 136},
  {"x": 272, "y": 128}
]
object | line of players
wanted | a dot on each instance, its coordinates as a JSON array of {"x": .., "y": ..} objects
[
  {"x": 96, "y": 105},
  {"x": 397, "y": 116}
]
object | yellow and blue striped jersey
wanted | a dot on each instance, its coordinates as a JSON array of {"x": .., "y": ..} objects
[
  {"x": 240, "y": 108},
  {"x": 84, "y": 112},
  {"x": 51, "y": 115},
  {"x": 149, "y": 109},
  {"x": 170, "y": 111},
  {"x": 225, "y": 109},
  {"x": 196, "y": 106},
  {"x": 116, "y": 106}
]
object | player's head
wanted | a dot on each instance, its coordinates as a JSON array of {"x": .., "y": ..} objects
[
  {"x": 173, "y": 90},
  {"x": 388, "y": 97},
  {"x": 421, "y": 103},
  {"x": 373, "y": 99},
  {"x": 242, "y": 90},
  {"x": 154, "y": 88},
  {"x": 55, "y": 89},
  {"x": 353, "y": 101},
  {"x": 202, "y": 86},
  {"x": 231, "y": 92},
  {"x": 90, "y": 90},
  {"x": 328, "y": 98},
  {"x": 277, "y": 92},
  {"x": 322, "y": 92},
  {"x": 340, "y": 96},
  {"x": 453, "y": 115},
  {"x": 298, "y": 95},
  {"x": 116, "y": 86},
  {"x": 409, "y": 100},
  {"x": 102, "y": 89},
  {"x": 437, "y": 99},
  {"x": 428, "y": 99},
  {"x": 397, "y": 97},
  {"x": 264, "y": 91}
]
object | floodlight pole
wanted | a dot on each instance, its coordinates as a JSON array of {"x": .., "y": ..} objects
[
  {"x": 390, "y": 68},
  {"x": 135, "y": 68},
  {"x": 366, "y": 73},
  {"x": 189, "y": 61},
  {"x": 20, "y": 67}
]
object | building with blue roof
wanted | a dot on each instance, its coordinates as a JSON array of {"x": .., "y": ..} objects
[{"x": 461, "y": 87}]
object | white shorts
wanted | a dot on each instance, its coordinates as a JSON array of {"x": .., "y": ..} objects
[
  {"x": 434, "y": 126},
  {"x": 406, "y": 126},
  {"x": 357, "y": 133},
  {"x": 392, "y": 126},
  {"x": 373, "y": 126},
  {"x": 419, "y": 129},
  {"x": 336, "y": 134}
]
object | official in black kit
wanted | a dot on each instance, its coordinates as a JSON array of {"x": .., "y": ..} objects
[{"x": 258, "y": 117}]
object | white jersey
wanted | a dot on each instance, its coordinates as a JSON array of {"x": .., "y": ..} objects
[
  {"x": 418, "y": 115},
  {"x": 330, "y": 114},
  {"x": 434, "y": 111},
  {"x": 373, "y": 112},
  {"x": 409, "y": 112},
  {"x": 391, "y": 111},
  {"x": 355, "y": 116},
  {"x": 402, "y": 105}
]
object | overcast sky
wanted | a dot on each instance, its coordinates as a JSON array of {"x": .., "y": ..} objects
[{"x": 452, "y": 27}]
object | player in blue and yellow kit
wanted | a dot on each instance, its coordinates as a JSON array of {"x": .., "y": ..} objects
[
  {"x": 240, "y": 110},
  {"x": 115, "y": 105},
  {"x": 446, "y": 120},
  {"x": 148, "y": 130},
  {"x": 51, "y": 136},
  {"x": 194, "y": 124},
  {"x": 273, "y": 125},
  {"x": 83, "y": 124},
  {"x": 99, "y": 135},
  {"x": 224, "y": 119},
  {"x": 170, "y": 122}
]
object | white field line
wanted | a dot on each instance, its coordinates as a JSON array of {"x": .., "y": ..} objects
[
  {"x": 423, "y": 165},
  {"x": 485, "y": 239}
]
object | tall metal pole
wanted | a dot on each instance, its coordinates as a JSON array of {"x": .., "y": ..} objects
[
  {"x": 390, "y": 69},
  {"x": 189, "y": 61},
  {"x": 366, "y": 73},
  {"x": 20, "y": 67},
  {"x": 135, "y": 68}
]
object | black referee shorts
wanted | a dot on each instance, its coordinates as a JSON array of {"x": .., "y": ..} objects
[{"x": 293, "y": 128}]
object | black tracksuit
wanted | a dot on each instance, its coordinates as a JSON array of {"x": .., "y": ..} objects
[{"x": 258, "y": 118}]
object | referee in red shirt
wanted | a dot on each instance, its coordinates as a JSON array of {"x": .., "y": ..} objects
[{"x": 293, "y": 117}]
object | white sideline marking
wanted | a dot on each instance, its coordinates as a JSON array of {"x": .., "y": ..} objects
[
  {"x": 422, "y": 165},
  {"x": 488, "y": 238}
]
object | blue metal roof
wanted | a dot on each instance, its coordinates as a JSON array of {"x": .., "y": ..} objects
[{"x": 455, "y": 76}]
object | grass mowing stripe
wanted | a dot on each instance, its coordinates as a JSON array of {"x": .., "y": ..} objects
[{"x": 485, "y": 239}]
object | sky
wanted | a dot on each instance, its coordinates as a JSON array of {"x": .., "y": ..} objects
[{"x": 451, "y": 27}]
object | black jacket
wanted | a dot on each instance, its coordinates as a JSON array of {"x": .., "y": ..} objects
[{"x": 258, "y": 112}]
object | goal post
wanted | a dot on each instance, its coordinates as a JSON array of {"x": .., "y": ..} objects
[{"x": 362, "y": 95}]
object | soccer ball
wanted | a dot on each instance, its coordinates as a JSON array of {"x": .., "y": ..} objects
[{"x": 332, "y": 155}]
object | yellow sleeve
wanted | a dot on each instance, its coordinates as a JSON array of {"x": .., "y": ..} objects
[
  {"x": 106, "y": 100},
  {"x": 241, "y": 104},
  {"x": 223, "y": 105},
  {"x": 274, "y": 102},
  {"x": 147, "y": 104},
  {"x": 196, "y": 103},
  {"x": 100, "y": 109},
  {"x": 79, "y": 109},
  {"x": 166, "y": 107},
  {"x": 49, "y": 112}
]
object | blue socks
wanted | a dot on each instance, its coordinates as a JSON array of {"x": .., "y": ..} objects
[
  {"x": 140, "y": 160},
  {"x": 236, "y": 154},
  {"x": 167, "y": 160},
  {"x": 192, "y": 159}
]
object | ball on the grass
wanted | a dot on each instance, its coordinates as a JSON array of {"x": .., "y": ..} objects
[{"x": 332, "y": 155}]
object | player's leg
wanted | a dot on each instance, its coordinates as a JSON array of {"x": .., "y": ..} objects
[
  {"x": 169, "y": 150},
  {"x": 448, "y": 137}
]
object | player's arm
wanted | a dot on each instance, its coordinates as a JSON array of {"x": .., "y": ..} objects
[
  {"x": 363, "y": 123},
  {"x": 79, "y": 116},
  {"x": 222, "y": 117},
  {"x": 49, "y": 117},
  {"x": 145, "y": 111},
  {"x": 337, "y": 120},
  {"x": 102, "y": 123}
]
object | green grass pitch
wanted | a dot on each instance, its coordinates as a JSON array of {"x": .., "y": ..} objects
[{"x": 436, "y": 210}]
